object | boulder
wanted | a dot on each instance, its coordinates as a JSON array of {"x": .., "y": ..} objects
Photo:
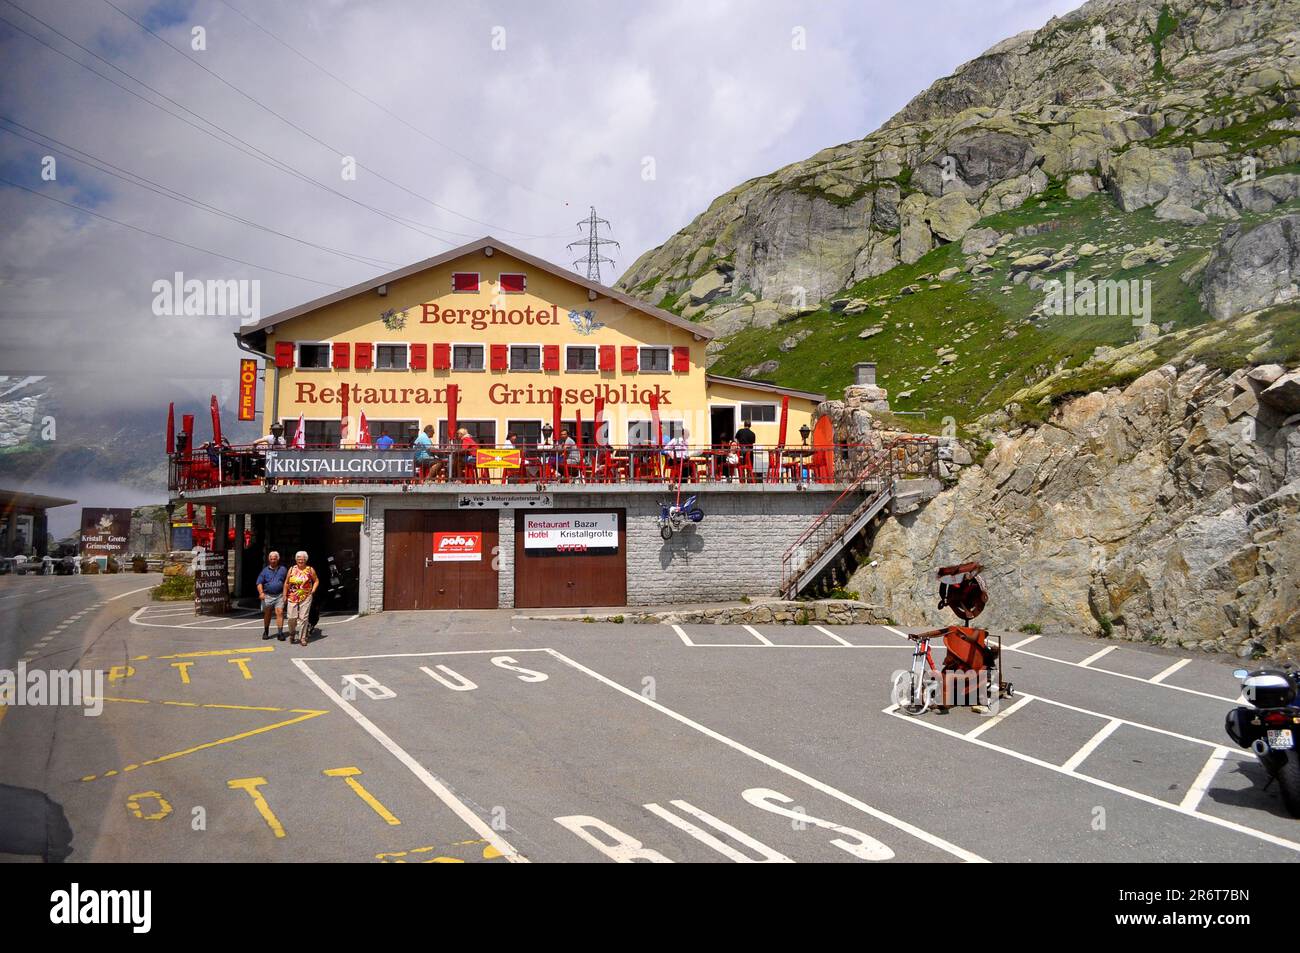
[
  {"x": 1283, "y": 394},
  {"x": 951, "y": 216},
  {"x": 977, "y": 239},
  {"x": 1171, "y": 211},
  {"x": 1080, "y": 185},
  {"x": 1030, "y": 263},
  {"x": 1253, "y": 270}
]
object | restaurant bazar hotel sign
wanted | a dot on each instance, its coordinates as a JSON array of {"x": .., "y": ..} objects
[
  {"x": 499, "y": 393},
  {"x": 591, "y": 533}
]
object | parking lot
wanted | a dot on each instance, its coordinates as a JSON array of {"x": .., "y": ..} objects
[{"x": 449, "y": 737}]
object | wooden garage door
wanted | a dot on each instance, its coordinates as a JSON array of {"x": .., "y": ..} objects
[
  {"x": 546, "y": 578},
  {"x": 414, "y": 579}
]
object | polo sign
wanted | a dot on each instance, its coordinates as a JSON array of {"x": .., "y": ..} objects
[
  {"x": 457, "y": 547},
  {"x": 559, "y": 533}
]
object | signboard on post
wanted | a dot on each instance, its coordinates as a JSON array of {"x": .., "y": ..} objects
[
  {"x": 105, "y": 532},
  {"x": 505, "y": 501},
  {"x": 457, "y": 547},
  {"x": 561, "y": 533},
  {"x": 492, "y": 459},
  {"x": 349, "y": 509},
  {"x": 339, "y": 465},
  {"x": 211, "y": 590},
  {"x": 247, "y": 389}
]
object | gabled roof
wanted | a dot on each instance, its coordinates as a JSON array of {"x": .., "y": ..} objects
[
  {"x": 486, "y": 242},
  {"x": 763, "y": 385}
]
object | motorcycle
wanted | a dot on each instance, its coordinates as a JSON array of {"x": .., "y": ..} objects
[
  {"x": 675, "y": 516},
  {"x": 1268, "y": 725}
]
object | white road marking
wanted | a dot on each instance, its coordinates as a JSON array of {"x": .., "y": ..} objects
[
  {"x": 1002, "y": 715},
  {"x": 1157, "y": 679},
  {"x": 440, "y": 790},
  {"x": 1192, "y": 800},
  {"x": 1096, "y": 655},
  {"x": 139, "y": 618},
  {"x": 897, "y": 631},
  {"x": 681, "y": 634},
  {"x": 931, "y": 839},
  {"x": 825, "y": 631},
  {"x": 131, "y": 593},
  {"x": 1091, "y": 745},
  {"x": 1023, "y": 642},
  {"x": 756, "y": 634}
]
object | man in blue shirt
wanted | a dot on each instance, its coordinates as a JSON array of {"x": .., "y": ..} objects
[
  {"x": 270, "y": 588},
  {"x": 384, "y": 442}
]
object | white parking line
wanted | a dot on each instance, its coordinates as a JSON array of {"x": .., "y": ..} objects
[
  {"x": 825, "y": 631},
  {"x": 1157, "y": 679},
  {"x": 1096, "y": 655},
  {"x": 1032, "y": 638},
  {"x": 1091, "y": 745},
  {"x": 681, "y": 634},
  {"x": 1107, "y": 785},
  {"x": 756, "y": 634},
  {"x": 1002, "y": 715},
  {"x": 1192, "y": 800},
  {"x": 125, "y": 594}
]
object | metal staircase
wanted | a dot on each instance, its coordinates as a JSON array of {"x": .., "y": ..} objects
[{"x": 870, "y": 491}]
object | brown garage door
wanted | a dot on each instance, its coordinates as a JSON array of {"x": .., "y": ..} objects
[
  {"x": 554, "y": 572},
  {"x": 457, "y": 574}
]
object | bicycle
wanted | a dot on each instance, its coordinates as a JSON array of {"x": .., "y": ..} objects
[{"x": 916, "y": 689}]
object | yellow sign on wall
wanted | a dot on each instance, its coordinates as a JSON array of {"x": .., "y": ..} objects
[{"x": 349, "y": 509}]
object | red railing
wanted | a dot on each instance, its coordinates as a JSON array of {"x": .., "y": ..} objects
[{"x": 232, "y": 466}]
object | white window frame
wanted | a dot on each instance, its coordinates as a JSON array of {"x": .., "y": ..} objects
[
  {"x": 288, "y": 441},
  {"x": 483, "y": 351},
  {"x": 540, "y": 421},
  {"x": 595, "y": 353},
  {"x": 329, "y": 357},
  {"x": 741, "y": 417},
  {"x": 375, "y": 357},
  {"x": 640, "y": 358},
  {"x": 478, "y": 281},
  {"x": 501, "y": 285},
  {"x": 510, "y": 359}
]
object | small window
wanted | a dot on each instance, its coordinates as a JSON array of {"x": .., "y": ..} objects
[
  {"x": 464, "y": 282},
  {"x": 588, "y": 431},
  {"x": 484, "y": 432},
  {"x": 402, "y": 431},
  {"x": 316, "y": 433},
  {"x": 467, "y": 357},
  {"x": 313, "y": 356},
  {"x": 525, "y": 357},
  {"x": 580, "y": 359},
  {"x": 390, "y": 357},
  {"x": 526, "y": 433},
  {"x": 642, "y": 432},
  {"x": 758, "y": 413},
  {"x": 513, "y": 284},
  {"x": 655, "y": 358}
]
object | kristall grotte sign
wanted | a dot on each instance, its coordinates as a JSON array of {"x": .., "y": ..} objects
[{"x": 592, "y": 533}]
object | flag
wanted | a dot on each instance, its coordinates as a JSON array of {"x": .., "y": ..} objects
[
  {"x": 343, "y": 420},
  {"x": 600, "y": 437},
  {"x": 363, "y": 432},
  {"x": 300, "y": 435},
  {"x": 216, "y": 421},
  {"x": 655, "y": 423},
  {"x": 171, "y": 428},
  {"x": 555, "y": 413}
]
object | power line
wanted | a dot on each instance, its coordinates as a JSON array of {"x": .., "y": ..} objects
[
  {"x": 166, "y": 238},
  {"x": 593, "y": 259},
  {"x": 106, "y": 167},
  {"x": 314, "y": 138},
  {"x": 385, "y": 110},
  {"x": 248, "y": 148}
]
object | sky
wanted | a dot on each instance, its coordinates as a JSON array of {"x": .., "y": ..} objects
[{"x": 227, "y": 128}]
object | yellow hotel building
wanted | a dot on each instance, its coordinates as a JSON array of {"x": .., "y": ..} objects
[{"x": 506, "y": 327}]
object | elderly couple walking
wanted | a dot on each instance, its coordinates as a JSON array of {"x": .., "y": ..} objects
[{"x": 278, "y": 584}]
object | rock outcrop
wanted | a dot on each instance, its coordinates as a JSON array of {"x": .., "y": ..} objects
[
  {"x": 1167, "y": 511},
  {"x": 1252, "y": 270}
]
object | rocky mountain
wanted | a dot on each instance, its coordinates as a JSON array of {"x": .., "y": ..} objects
[{"x": 1077, "y": 258}]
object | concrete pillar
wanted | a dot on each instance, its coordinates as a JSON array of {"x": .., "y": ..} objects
[
  {"x": 864, "y": 372},
  {"x": 239, "y": 555},
  {"x": 364, "y": 568}
]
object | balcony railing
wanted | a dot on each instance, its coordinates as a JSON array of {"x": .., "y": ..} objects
[{"x": 208, "y": 468}]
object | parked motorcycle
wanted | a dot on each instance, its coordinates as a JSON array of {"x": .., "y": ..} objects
[
  {"x": 674, "y": 516},
  {"x": 1268, "y": 726}
]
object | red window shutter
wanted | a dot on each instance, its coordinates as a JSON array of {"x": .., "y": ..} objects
[
  {"x": 341, "y": 355},
  {"x": 364, "y": 353},
  {"x": 499, "y": 358},
  {"x": 607, "y": 357},
  {"x": 513, "y": 284},
  {"x": 463, "y": 281},
  {"x": 631, "y": 358},
  {"x": 681, "y": 359},
  {"x": 284, "y": 354},
  {"x": 442, "y": 357},
  {"x": 419, "y": 357},
  {"x": 550, "y": 357}
]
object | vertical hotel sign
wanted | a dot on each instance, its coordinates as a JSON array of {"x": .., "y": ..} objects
[{"x": 247, "y": 389}]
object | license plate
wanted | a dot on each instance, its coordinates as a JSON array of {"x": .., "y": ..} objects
[{"x": 1281, "y": 739}]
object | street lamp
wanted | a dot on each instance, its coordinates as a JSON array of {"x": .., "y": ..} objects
[{"x": 804, "y": 431}]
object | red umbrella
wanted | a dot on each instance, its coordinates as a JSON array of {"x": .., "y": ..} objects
[
  {"x": 187, "y": 428},
  {"x": 171, "y": 429},
  {"x": 577, "y": 436},
  {"x": 555, "y": 411},
  {"x": 785, "y": 418},
  {"x": 216, "y": 421},
  {"x": 453, "y": 398},
  {"x": 343, "y": 418},
  {"x": 600, "y": 422},
  {"x": 363, "y": 432},
  {"x": 655, "y": 421}
]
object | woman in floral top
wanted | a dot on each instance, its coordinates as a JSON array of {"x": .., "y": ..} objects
[{"x": 300, "y": 585}]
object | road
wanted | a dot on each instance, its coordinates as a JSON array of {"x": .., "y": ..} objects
[{"x": 483, "y": 737}]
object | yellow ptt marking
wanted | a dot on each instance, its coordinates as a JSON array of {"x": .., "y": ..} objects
[
  {"x": 258, "y": 648},
  {"x": 304, "y": 716},
  {"x": 490, "y": 852},
  {"x": 119, "y": 672},
  {"x": 349, "y": 775},
  {"x": 184, "y": 669},
  {"x": 243, "y": 666},
  {"x": 251, "y": 785},
  {"x": 133, "y": 805},
  {"x": 398, "y": 856}
]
